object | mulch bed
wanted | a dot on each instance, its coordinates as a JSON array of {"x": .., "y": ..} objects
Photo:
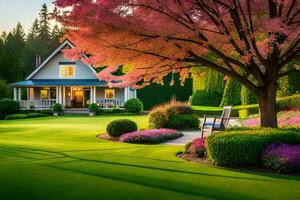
[
  {"x": 105, "y": 136},
  {"x": 192, "y": 158}
]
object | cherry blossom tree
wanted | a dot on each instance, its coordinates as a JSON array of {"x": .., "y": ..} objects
[{"x": 250, "y": 41}]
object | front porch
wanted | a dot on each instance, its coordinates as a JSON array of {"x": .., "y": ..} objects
[{"x": 39, "y": 98}]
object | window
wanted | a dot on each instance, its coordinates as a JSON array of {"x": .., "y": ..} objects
[
  {"x": 67, "y": 71},
  {"x": 44, "y": 94},
  {"x": 109, "y": 94}
]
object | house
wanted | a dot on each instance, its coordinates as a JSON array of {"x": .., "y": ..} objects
[{"x": 73, "y": 84}]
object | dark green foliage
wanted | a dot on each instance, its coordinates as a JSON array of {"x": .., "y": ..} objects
[
  {"x": 8, "y": 107},
  {"x": 47, "y": 112},
  {"x": 16, "y": 116},
  {"x": 134, "y": 106},
  {"x": 156, "y": 94},
  {"x": 5, "y": 90},
  {"x": 247, "y": 96},
  {"x": 203, "y": 98},
  {"x": 35, "y": 115},
  {"x": 57, "y": 108},
  {"x": 243, "y": 147},
  {"x": 118, "y": 127},
  {"x": 232, "y": 93},
  {"x": 182, "y": 122},
  {"x": 117, "y": 110},
  {"x": 93, "y": 108}
]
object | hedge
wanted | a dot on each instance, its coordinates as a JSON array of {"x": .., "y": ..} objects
[
  {"x": 16, "y": 116},
  {"x": 243, "y": 146},
  {"x": 183, "y": 122},
  {"x": 289, "y": 102}
]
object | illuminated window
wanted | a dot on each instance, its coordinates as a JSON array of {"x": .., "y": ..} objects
[
  {"x": 67, "y": 71},
  {"x": 44, "y": 94},
  {"x": 109, "y": 94}
]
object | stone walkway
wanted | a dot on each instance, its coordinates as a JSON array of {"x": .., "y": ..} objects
[{"x": 191, "y": 135}]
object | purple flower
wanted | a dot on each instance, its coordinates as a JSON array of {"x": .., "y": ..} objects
[
  {"x": 282, "y": 157},
  {"x": 150, "y": 136},
  {"x": 198, "y": 147}
]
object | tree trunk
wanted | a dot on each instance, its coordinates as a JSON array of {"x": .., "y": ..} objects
[{"x": 267, "y": 106}]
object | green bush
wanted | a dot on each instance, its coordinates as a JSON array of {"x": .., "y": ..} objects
[
  {"x": 118, "y": 127},
  {"x": 204, "y": 98},
  {"x": 243, "y": 147},
  {"x": 182, "y": 122},
  {"x": 178, "y": 109},
  {"x": 116, "y": 109},
  {"x": 158, "y": 119},
  {"x": 8, "y": 107},
  {"x": 93, "y": 108},
  {"x": 5, "y": 90},
  {"x": 57, "y": 108},
  {"x": 16, "y": 116},
  {"x": 134, "y": 106},
  {"x": 35, "y": 115},
  {"x": 47, "y": 112},
  {"x": 232, "y": 93},
  {"x": 289, "y": 102}
]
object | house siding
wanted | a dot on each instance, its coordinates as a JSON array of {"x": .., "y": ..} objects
[{"x": 51, "y": 69}]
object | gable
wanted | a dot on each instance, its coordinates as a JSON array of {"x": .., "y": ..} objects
[{"x": 50, "y": 68}]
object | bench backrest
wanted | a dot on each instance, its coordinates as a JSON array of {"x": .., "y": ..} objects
[{"x": 226, "y": 115}]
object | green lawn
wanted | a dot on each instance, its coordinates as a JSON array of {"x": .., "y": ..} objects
[{"x": 60, "y": 158}]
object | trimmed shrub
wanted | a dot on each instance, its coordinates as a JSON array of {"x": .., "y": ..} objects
[
  {"x": 47, "y": 112},
  {"x": 204, "y": 98},
  {"x": 93, "y": 108},
  {"x": 242, "y": 147},
  {"x": 118, "y": 127},
  {"x": 35, "y": 115},
  {"x": 289, "y": 102},
  {"x": 150, "y": 136},
  {"x": 134, "y": 106},
  {"x": 116, "y": 109},
  {"x": 158, "y": 119},
  {"x": 57, "y": 108},
  {"x": 182, "y": 122},
  {"x": 16, "y": 116},
  {"x": 8, "y": 107},
  {"x": 160, "y": 116},
  {"x": 282, "y": 157}
]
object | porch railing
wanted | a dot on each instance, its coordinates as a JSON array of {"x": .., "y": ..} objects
[
  {"x": 44, "y": 103},
  {"x": 107, "y": 103}
]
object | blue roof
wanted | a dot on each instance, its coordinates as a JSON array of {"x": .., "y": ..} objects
[{"x": 59, "y": 82}]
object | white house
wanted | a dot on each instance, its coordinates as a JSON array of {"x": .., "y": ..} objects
[{"x": 71, "y": 83}]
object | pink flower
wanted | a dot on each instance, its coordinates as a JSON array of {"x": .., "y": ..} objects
[{"x": 198, "y": 147}]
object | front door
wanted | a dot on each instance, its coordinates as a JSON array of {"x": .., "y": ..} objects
[{"x": 78, "y": 99}]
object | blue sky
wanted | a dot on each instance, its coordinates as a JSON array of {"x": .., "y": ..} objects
[{"x": 25, "y": 11}]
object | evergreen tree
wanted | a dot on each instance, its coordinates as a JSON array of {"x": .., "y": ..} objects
[
  {"x": 56, "y": 34},
  {"x": 232, "y": 93}
]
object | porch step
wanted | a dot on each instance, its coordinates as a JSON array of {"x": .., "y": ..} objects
[{"x": 74, "y": 111}]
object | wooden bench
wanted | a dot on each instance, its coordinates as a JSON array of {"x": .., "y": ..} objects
[{"x": 215, "y": 123}]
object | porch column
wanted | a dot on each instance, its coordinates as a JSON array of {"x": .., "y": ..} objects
[
  {"x": 28, "y": 93},
  {"x": 91, "y": 94},
  {"x": 15, "y": 94},
  {"x": 94, "y": 95},
  {"x": 19, "y": 94},
  {"x": 63, "y": 96},
  {"x": 57, "y": 94},
  {"x": 126, "y": 94}
]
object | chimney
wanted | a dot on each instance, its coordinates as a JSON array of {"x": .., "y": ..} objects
[{"x": 38, "y": 60}]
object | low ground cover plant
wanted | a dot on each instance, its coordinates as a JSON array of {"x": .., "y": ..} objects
[
  {"x": 154, "y": 136},
  {"x": 282, "y": 157},
  {"x": 176, "y": 115},
  {"x": 243, "y": 147},
  {"x": 118, "y": 127}
]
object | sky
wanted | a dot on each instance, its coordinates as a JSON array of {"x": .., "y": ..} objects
[{"x": 24, "y": 11}]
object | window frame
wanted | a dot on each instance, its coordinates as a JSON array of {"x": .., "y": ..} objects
[
  {"x": 67, "y": 65},
  {"x": 114, "y": 93},
  {"x": 47, "y": 91}
]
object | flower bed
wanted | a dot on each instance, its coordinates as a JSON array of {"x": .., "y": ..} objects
[
  {"x": 197, "y": 147},
  {"x": 282, "y": 157},
  {"x": 285, "y": 118},
  {"x": 150, "y": 136}
]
